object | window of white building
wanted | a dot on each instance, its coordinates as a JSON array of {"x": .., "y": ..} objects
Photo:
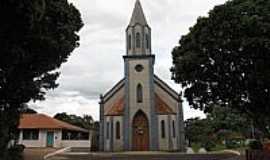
[{"x": 30, "y": 134}]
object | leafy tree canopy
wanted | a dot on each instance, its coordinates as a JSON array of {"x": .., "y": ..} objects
[
  {"x": 36, "y": 37},
  {"x": 85, "y": 121},
  {"x": 225, "y": 60},
  {"x": 220, "y": 124},
  {"x": 26, "y": 109}
]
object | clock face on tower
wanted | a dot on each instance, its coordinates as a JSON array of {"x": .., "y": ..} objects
[{"x": 139, "y": 68}]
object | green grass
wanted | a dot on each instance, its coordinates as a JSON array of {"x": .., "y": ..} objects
[{"x": 219, "y": 147}]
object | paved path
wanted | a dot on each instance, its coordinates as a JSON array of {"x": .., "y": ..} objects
[
  {"x": 144, "y": 156},
  {"x": 36, "y": 153}
]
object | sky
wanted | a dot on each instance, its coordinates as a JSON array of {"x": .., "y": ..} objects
[{"x": 95, "y": 66}]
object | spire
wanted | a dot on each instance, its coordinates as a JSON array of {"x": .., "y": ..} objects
[
  {"x": 138, "y": 15},
  {"x": 138, "y": 36}
]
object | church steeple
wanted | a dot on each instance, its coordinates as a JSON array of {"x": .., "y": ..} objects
[
  {"x": 138, "y": 33},
  {"x": 137, "y": 15}
]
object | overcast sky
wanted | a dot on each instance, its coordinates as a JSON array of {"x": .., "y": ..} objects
[{"x": 97, "y": 64}]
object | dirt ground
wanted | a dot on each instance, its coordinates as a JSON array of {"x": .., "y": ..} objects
[
  {"x": 145, "y": 157},
  {"x": 36, "y": 153}
]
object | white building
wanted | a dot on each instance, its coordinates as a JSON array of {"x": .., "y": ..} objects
[
  {"x": 141, "y": 112},
  {"x": 39, "y": 130}
]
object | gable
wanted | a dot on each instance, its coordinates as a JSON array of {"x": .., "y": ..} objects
[
  {"x": 166, "y": 94},
  {"x": 165, "y": 87},
  {"x": 117, "y": 108},
  {"x": 162, "y": 107},
  {"x": 166, "y": 99},
  {"x": 118, "y": 86},
  {"x": 114, "y": 99}
]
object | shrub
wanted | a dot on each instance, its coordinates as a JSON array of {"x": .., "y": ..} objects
[
  {"x": 209, "y": 145},
  {"x": 232, "y": 144},
  {"x": 256, "y": 145},
  {"x": 16, "y": 152}
]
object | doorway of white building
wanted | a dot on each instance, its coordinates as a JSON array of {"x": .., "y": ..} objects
[{"x": 50, "y": 139}]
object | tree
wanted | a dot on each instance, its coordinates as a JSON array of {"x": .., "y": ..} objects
[
  {"x": 225, "y": 60},
  {"x": 229, "y": 125},
  {"x": 197, "y": 130},
  {"x": 27, "y": 110},
  {"x": 86, "y": 121},
  {"x": 219, "y": 125},
  {"x": 36, "y": 37}
]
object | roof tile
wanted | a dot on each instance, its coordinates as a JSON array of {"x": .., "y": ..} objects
[
  {"x": 117, "y": 109},
  {"x": 42, "y": 121}
]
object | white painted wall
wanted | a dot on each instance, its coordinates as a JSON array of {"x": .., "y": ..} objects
[
  {"x": 163, "y": 142},
  {"x": 76, "y": 143},
  {"x": 118, "y": 143},
  {"x": 174, "y": 139},
  {"x": 58, "y": 142},
  {"x": 136, "y": 78},
  {"x": 57, "y": 138},
  {"x": 41, "y": 142},
  {"x": 107, "y": 139}
]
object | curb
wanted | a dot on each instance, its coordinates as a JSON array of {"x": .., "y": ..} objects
[
  {"x": 56, "y": 152},
  {"x": 233, "y": 152}
]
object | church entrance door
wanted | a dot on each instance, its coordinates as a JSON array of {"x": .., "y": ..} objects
[{"x": 140, "y": 136}]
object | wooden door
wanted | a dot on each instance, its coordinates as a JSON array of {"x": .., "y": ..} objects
[{"x": 140, "y": 129}]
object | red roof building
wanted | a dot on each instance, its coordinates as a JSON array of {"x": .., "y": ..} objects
[
  {"x": 40, "y": 130},
  {"x": 42, "y": 121}
]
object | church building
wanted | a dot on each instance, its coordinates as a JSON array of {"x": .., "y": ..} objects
[{"x": 141, "y": 112}]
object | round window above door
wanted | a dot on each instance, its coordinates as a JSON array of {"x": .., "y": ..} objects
[{"x": 139, "y": 68}]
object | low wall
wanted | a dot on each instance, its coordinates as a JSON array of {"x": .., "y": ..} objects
[
  {"x": 32, "y": 143},
  {"x": 76, "y": 143}
]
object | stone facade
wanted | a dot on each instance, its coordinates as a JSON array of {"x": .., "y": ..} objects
[{"x": 141, "y": 112}]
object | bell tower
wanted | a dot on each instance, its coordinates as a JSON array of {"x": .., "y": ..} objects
[
  {"x": 139, "y": 85},
  {"x": 138, "y": 33}
]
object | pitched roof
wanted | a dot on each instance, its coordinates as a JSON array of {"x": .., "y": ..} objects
[
  {"x": 166, "y": 87},
  {"x": 42, "y": 121},
  {"x": 117, "y": 109},
  {"x": 138, "y": 15},
  {"x": 119, "y": 85},
  {"x": 162, "y": 107}
]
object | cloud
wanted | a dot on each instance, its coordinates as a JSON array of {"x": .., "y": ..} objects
[
  {"x": 71, "y": 104},
  {"x": 97, "y": 64}
]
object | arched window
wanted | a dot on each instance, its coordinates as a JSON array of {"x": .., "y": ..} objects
[
  {"x": 129, "y": 41},
  {"x": 147, "y": 41},
  {"x": 163, "y": 129},
  {"x": 117, "y": 130},
  {"x": 139, "y": 93},
  {"x": 108, "y": 130},
  {"x": 173, "y": 128},
  {"x": 138, "y": 40}
]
